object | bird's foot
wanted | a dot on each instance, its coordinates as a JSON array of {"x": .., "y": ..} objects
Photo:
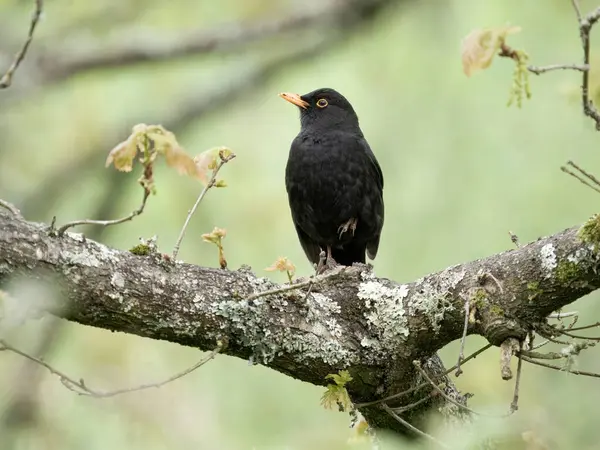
[{"x": 349, "y": 225}]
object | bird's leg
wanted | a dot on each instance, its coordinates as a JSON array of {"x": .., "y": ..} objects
[
  {"x": 326, "y": 262},
  {"x": 349, "y": 225},
  {"x": 321, "y": 263}
]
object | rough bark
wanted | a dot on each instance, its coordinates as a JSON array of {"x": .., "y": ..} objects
[{"x": 374, "y": 327}]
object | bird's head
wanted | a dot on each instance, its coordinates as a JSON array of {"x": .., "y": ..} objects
[{"x": 324, "y": 109}]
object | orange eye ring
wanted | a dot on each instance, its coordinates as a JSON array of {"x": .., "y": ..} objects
[{"x": 322, "y": 103}]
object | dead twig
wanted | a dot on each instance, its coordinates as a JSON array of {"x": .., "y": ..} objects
[
  {"x": 6, "y": 79},
  {"x": 223, "y": 159},
  {"x": 290, "y": 287},
  {"x": 422, "y": 385},
  {"x": 414, "y": 429},
  {"x": 105, "y": 223},
  {"x": 560, "y": 369},
  {"x": 514, "y": 405},
  {"x": 538, "y": 70},
  {"x": 584, "y": 177},
  {"x": 585, "y": 26},
  {"x": 81, "y": 388},
  {"x": 417, "y": 364}
]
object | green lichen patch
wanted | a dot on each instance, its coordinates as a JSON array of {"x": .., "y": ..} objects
[
  {"x": 533, "y": 290},
  {"x": 567, "y": 272},
  {"x": 140, "y": 250},
  {"x": 590, "y": 231},
  {"x": 479, "y": 298}
]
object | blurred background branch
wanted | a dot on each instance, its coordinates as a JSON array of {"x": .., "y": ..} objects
[{"x": 397, "y": 61}]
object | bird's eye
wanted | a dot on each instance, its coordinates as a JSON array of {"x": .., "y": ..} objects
[{"x": 322, "y": 103}]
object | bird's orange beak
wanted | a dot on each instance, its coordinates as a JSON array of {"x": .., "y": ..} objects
[{"x": 295, "y": 99}]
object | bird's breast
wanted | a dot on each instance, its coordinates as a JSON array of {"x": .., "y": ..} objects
[{"x": 327, "y": 180}]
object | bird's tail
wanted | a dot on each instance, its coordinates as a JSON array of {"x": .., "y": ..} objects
[{"x": 351, "y": 252}]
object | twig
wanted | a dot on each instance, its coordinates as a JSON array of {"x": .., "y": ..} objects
[
  {"x": 583, "y": 172},
  {"x": 405, "y": 408},
  {"x": 540, "y": 345},
  {"x": 560, "y": 369},
  {"x": 537, "y": 355},
  {"x": 417, "y": 364},
  {"x": 585, "y": 26},
  {"x": 589, "y": 176},
  {"x": 222, "y": 161},
  {"x": 577, "y": 10},
  {"x": 422, "y": 385},
  {"x": 12, "y": 208},
  {"x": 391, "y": 412},
  {"x": 514, "y": 405},
  {"x": 80, "y": 387},
  {"x": 290, "y": 287},
  {"x": 577, "y": 336},
  {"x": 6, "y": 79},
  {"x": 585, "y": 327},
  {"x": 105, "y": 223},
  {"x": 461, "y": 353},
  {"x": 562, "y": 315},
  {"x": 538, "y": 70}
]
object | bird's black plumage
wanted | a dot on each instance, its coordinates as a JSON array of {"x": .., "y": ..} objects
[{"x": 333, "y": 180}]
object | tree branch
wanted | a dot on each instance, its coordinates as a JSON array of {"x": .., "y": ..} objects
[
  {"x": 372, "y": 326},
  {"x": 330, "y": 15}
]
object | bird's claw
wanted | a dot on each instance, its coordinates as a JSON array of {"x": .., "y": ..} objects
[{"x": 349, "y": 225}]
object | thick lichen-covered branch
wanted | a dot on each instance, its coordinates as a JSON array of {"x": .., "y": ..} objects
[{"x": 373, "y": 327}]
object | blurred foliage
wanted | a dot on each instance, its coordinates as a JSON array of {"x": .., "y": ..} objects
[{"x": 461, "y": 170}]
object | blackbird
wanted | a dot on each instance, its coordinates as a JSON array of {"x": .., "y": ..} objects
[{"x": 334, "y": 182}]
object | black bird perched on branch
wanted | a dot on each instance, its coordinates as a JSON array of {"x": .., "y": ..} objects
[{"x": 333, "y": 180}]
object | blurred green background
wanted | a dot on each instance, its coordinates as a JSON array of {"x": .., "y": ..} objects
[{"x": 461, "y": 169}]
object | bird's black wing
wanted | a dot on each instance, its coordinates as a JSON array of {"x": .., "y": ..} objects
[
  {"x": 373, "y": 244},
  {"x": 311, "y": 249}
]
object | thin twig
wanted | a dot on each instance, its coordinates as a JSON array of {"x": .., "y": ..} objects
[
  {"x": 391, "y": 412},
  {"x": 422, "y": 385},
  {"x": 540, "y": 345},
  {"x": 80, "y": 387},
  {"x": 537, "y": 355},
  {"x": 583, "y": 172},
  {"x": 105, "y": 223},
  {"x": 514, "y": 405},
  {"x": 405, "y": 408},
  {"x": 560, "y": 369},
  {"x": 574, "y": 175},
  {"x": 461, "y": 353},
  {"x": 577, "y": 336},
  {"x": 290, "y": 287},
  {"x": 222, "y": 161},
  {"x": 575, "y": 4},
  {"x": 538, "y": 70},
  {"x": 562, "y": 315},
  {"x": 6, "y": 79},
  {"x": 585, "y": 26},
  {"x": 417, "y": 364},
  {"x": 585, "y": 327},
  {"x": 12, "y": 208}
]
